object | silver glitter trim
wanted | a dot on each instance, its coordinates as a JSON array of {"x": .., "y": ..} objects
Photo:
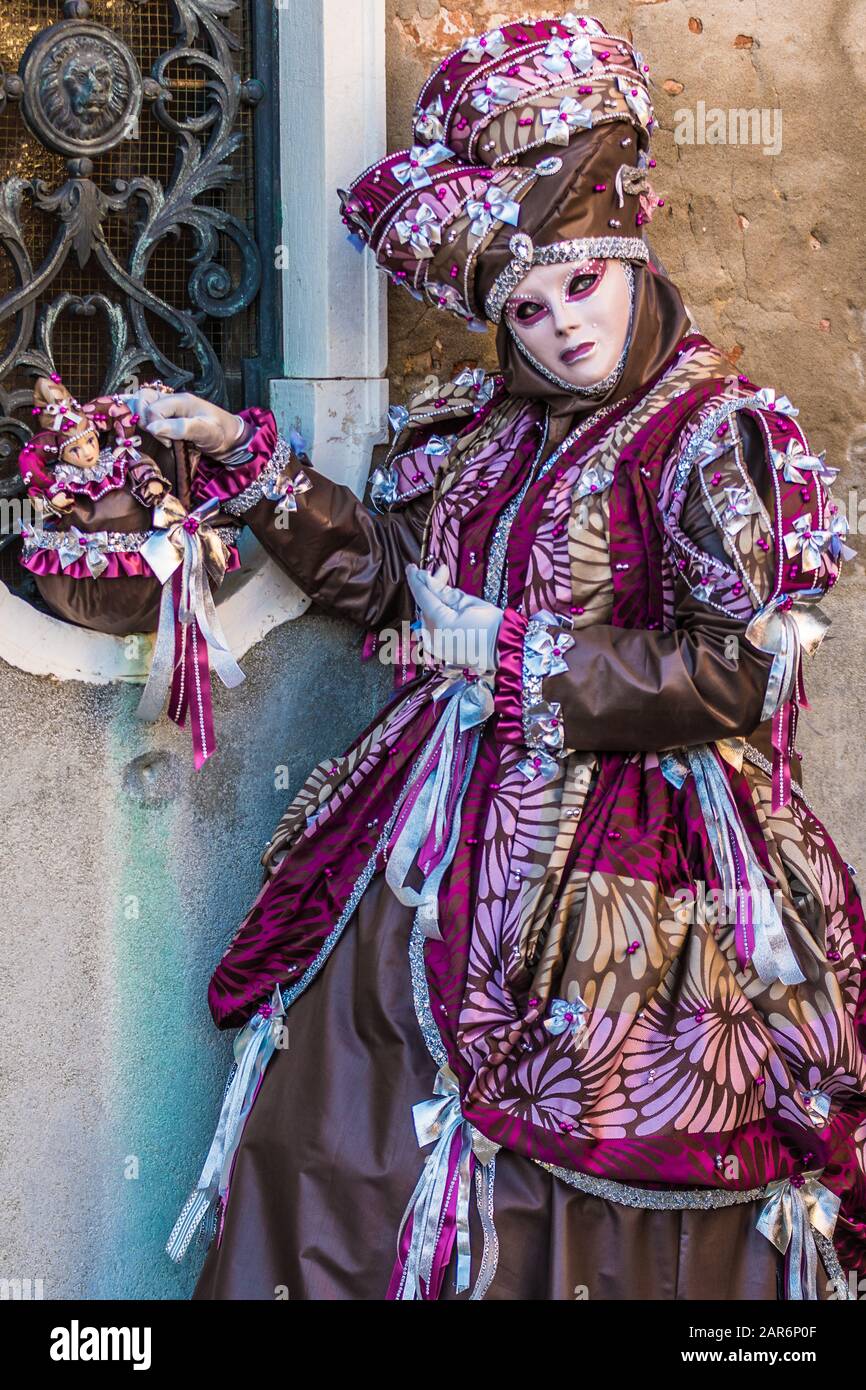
[
  {"x": 661, "y": 1199},
  {"x": 719, "y": 416},
  {"x": 113, "y": 542},
  {"x": 607, "y": 383},
  {"x": 278, "y": 462},
  {"x": 753, "y": 755},
  {"x": 495, "y": 579},
  {"x": 835, "y": 1272},
  {"x": 421, "y": 996},
  {"x": 599, "y": 248}
]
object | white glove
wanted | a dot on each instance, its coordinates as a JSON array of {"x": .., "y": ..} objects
[
  {"x": 142, "y": 399},
  {"x": 458, "y": 630},
  {"x": 210, "y": 428}
]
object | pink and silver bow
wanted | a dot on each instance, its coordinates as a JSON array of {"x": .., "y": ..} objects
[
  {"x": 185, "y": 553},
  {"x": 580, "y": 24},
  {"x": 561, "y": 55},
  {"x": 421, "y": 229},
  {"x": 446, "y": 297},
  {"x": 636, "y": 99},
  {"x": 421, "y": 158},
  {"x": 796, "y": 1207},
  {"x": 478, "y": 382},
  {"x": 285, "y": 489},
  {"x": 92, "y": 545},
  {"x": 837, "y": 546},
  {"x": 795, "y": 463},
  {"x": 495, "y": 206},
  {"x": 817, "y": 1105},
  {"x": 383, "y": 487},
  {"x": 477, "y": 48},
  {"x": 544, "y": 652},
  {"x": 565, "y": 118},
  {"x": 437, "y": 1216},
  {"x": 428, "y": 124},
  {"x": 743, "y": 502},
  {"x": 595, "y": 479},
  {"x": 771, "y": 401},
  {"x": 497, "y": 91},
  {"x": 809, "y": 544},
  {"x": 569, "y": 1015},
  {"x": 437, "y": 447}
]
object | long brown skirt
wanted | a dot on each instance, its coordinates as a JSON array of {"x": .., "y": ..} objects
[{"x": 329, "y": 1158}]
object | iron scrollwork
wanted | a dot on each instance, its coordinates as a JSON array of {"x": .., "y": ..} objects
[{"x": 81, "y": 93}]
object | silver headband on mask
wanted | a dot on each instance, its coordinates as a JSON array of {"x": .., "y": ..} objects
[
  {"x": 527, "y": 254},
  {"x": 607, "y": 383}
]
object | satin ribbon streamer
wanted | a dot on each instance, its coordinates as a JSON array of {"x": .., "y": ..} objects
[
  {"x": 433, "y": 799},
  {"x": 186, "y": 551},
  {"x": 761, "y": 935},
  {"x": 786, "y": 629},
  {"x": 437, "y": 1216},
  {"x": 794, "y": 1207},
  {"x": 254, "y": 1046}
]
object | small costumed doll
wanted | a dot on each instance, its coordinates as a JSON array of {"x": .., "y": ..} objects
[
  {"x": 96, "y": 490},
  {"x": 116, "y": 551}
]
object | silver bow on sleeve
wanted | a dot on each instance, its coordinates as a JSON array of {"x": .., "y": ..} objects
[
  {"x": 477, "y": 381},
  {"x": 421, "y": 229},
  {"x": 479, "y": 47},
  {"x": 743, "y": 502},
  {"x": 285, "y": 489},
  {"x": 809, "y": 544},
  {"x": 838, "y": 530},
  {"x": 497, "y": 91},
  {"x": 796, "y": 464},
  {"x": 771, "y": 401},
  {"x": 383, "y": 487}
]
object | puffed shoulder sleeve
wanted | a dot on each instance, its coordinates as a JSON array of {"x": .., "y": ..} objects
[{"x": 747, "y": 555}]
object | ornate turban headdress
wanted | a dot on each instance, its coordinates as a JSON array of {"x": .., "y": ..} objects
[{"x": 521, "y": 133}]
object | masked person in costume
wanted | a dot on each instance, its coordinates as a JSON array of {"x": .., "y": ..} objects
[{"x": 571, "y": 971}]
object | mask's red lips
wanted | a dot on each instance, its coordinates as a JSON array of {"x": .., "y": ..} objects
[{"x": 576, "y": 353}]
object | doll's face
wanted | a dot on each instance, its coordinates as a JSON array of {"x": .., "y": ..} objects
[
  {"x": 84, "y": 453},
  {"x": 573, "y": 318}
]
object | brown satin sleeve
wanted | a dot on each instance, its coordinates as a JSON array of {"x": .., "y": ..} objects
[
  {"x": 349, "y": 560},
  {"x": 643, "y": 691}
]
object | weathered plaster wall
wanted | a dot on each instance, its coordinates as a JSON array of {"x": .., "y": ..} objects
[
  {"x": 125, "y": 872},
  {"x": 768, "y": 251}
]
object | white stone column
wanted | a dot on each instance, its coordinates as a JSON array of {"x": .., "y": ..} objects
[{"x": 332, "y": 126}]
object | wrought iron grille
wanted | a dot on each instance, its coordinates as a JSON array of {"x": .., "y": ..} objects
[{"x": 127, "y": 201}]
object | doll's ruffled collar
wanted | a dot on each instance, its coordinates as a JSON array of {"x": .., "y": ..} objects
[{"x": 109, "y": 472}]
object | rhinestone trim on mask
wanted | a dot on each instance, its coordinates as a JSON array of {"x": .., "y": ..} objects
[
  {"x": 582, "y": 248},
  {"x": 607, "y": 383}
]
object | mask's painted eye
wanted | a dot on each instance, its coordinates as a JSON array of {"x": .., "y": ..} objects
[
  {"x": 585, "y": 280},
  {"x": 527, "y": 311}
]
